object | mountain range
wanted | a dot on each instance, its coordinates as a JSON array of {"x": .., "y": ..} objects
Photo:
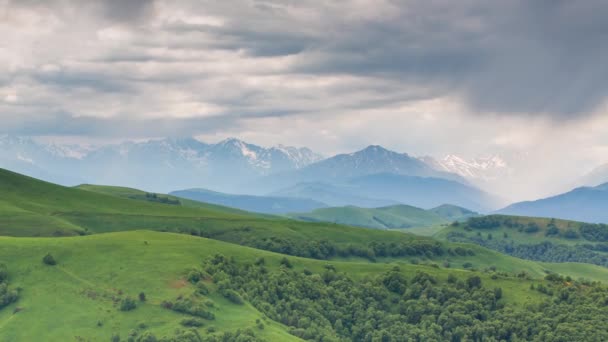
[
  {"x": 157, "y": 165},
  {"x": 586, "y": 204},
  {"x": 371, "y": 177}
]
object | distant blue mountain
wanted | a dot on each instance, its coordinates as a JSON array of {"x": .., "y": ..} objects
[
  {"x": 259, "y": 204},
  {"x": 586, "y": 204},
  {"x": 381, "y": 189},
  {"x": 333, "y": 195}
]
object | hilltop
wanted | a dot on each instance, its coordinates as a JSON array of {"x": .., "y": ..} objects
[{"x": 391, "y": 217}]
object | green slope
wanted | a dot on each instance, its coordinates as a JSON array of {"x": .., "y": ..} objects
[
  {"x": 137, "y": 194},
  {"x": 392, "y": 217}
]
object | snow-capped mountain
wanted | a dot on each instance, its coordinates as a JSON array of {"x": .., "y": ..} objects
[
  {"x": 156, "y": 165},
  {"x": 371, "y": 160},
  {"x": 484, "y": 169}
]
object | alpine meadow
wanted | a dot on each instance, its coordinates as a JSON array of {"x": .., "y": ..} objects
[{"x": 270, "y": 170}]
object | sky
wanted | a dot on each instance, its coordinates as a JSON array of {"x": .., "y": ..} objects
[{"x": 526, "y": 80}]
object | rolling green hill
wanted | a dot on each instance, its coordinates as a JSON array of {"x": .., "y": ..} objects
[
  {"x": 453, "y": 213},
  {"x": 392, "y": 217},
  {"x": 143, "y": 285}
]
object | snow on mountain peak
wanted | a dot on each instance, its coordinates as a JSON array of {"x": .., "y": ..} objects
[{"x": 481, "y": 168}]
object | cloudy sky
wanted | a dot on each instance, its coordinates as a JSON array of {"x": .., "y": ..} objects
[{"x": 524, "y": 79}]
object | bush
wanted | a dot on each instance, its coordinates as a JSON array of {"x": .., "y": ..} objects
[
  {"x": 49, "y": 260},
  {"x": 191, "y": 306},
  {"x": 192, "y": 322},
  {"x": 202, "y": 289},
  {"x": 233, "y": 296},
  {"x": 474, "y": 282},
  {"x": 128, "y": 304},
  {"x": 115, "y": 338},
  {"x": 285, "y": 262},
  {"x": 3, "y": 273}
]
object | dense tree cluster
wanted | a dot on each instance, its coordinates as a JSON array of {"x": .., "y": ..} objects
[
  {"x": 594, "y": 232},
  {"x": 7, "y": 295},
  {"x": 331, "y": 306},
  {"x": 324, "y": 249},
  {"x": 152, "y": 197},
  {"x": 544, "y": 251},
  {"x": 192, "y": 335}
]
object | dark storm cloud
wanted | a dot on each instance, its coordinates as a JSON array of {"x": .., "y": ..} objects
[
  {"x": 127, "y": 11},
  {"x": 540, "y": 57}
]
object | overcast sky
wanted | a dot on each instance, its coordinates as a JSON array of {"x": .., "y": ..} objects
[{"x": 523, "y": 79}]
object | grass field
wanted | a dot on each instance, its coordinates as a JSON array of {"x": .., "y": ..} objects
[{"x": 69, "y": 299}]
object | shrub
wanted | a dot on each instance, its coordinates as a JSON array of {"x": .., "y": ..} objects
[
  {"x": 128, "y": 304},
  {"x": 49, "y": 260},
  {"x": 142, "y": 297},
  {"x": 202, "y": 289},
  {"x": 285, "y": 262},
  {"x": 115, "y": 338},
  {"x": 192, "y": 322},
  {"x": 570, "y": 234},
  {"x": 3, "y": 273},
  {"x": 473, "y": 282},
  {"x": 233, "y": 296}
]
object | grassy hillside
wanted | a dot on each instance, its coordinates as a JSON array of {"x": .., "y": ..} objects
[
  {"x": 137, "y": 194},
  {"x": 392, "y": 217},
  {"x": 74, "y": 301},
  {"x": 46, "y": 210}
]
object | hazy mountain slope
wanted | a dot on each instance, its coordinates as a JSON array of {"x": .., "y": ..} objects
[
  {"x": 376, "y": 190},
  {"x": 333, "y": 195},
  {"x": 392, "y": 217},
  {"x": 260, "y": 204},
  {"x": 422, "y": 192},
  {"x": 599, "y": 175},
  {"x": 585, "y": 204}
]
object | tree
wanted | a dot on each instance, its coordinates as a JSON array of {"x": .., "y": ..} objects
[
  {"x": 142, "y": 297},
  {"x": 127, "y": 304},
  {"x": 473, "y": 282},
  {"x": 49, "y": 260},
  {"x": 285, "y": 262}
]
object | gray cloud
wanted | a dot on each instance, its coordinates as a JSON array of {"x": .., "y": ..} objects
[
  {"x": 542, "y": 57},
  {"x": 147, "y": 59}
]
